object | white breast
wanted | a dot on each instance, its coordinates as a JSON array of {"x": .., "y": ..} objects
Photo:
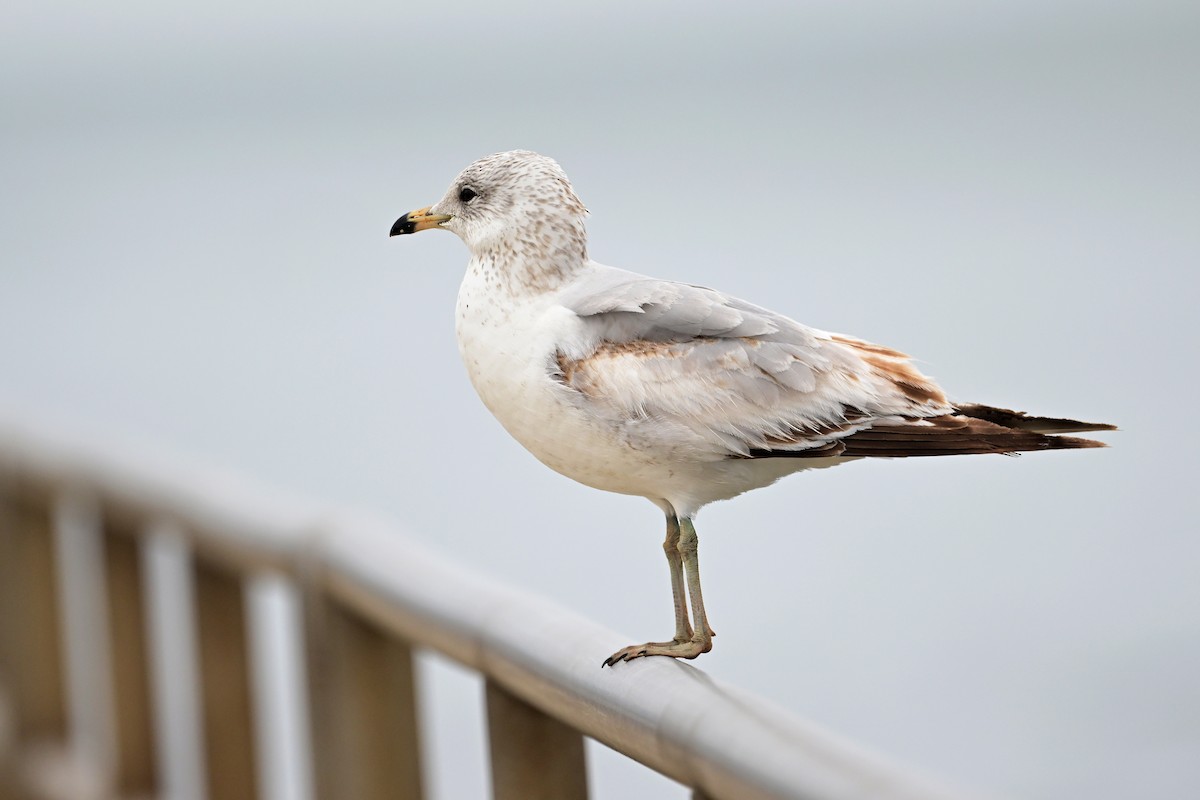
[{"x": 508, "y": 342}]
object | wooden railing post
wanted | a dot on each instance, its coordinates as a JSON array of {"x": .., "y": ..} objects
[
  {"x": 280, "y": 696},
  {"x": 79, "y": 548},
  {"x": 31, "y": 664},
  {"x": 534, "y": 756},
  {"x": 365, "y": 732},
  {"x": 135, "y": 756},
  {"x": 171, "y": 619},
  {"x": 225, "y": 684}
]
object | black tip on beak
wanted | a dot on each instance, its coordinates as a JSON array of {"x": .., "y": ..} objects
[
  {"x": 403, "y": 225},
  {"x": 419, "y": 220}
]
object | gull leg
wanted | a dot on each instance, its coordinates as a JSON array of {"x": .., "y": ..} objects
[
  {"x": 681, "y": 549},
  {"x": 689, "y": 548},
  {"x": 683, "y": 626}
]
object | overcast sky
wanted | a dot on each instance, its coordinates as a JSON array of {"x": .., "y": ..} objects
[{"x": 196, "y": 200}]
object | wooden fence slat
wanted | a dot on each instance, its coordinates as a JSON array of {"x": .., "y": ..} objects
[
  {"x": 79, "y": 548},
  {"x": 30, "y": 623},
  {"x": 171, "y": 622},
  {"x": 279, "y": 688},
  {"x": 135, "y": 756},
  {"x": 534, "y": 756},
  {"x": 365, "y": 732},
  {"x": 31, "y": 678},
  {"x": 225, "y": 684}
]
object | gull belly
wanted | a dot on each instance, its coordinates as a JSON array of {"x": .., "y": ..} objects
[{"x": 508, "y": 342}]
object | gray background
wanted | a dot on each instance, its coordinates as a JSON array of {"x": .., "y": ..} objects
[{"x": 195, "y": 207}]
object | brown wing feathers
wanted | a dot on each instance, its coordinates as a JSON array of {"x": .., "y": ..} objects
[
  {"x": 952, "y": 434},
  {"x": 973, "y": 430}
]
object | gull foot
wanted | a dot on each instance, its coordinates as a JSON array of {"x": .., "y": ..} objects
[{"x": 676, "y": 648}]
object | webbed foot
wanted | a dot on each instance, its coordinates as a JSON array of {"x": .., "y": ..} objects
[{"x": 676, "y": 648}]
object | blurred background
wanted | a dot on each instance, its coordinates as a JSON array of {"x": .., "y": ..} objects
[{"x": 196, "y": 200}]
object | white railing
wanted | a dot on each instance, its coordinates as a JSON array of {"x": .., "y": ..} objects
[{"x": 152, "y": 618}]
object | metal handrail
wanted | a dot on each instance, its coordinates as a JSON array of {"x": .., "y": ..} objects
[{"x": 668, "y": 715}]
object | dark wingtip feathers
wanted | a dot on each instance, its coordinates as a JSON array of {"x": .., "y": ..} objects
[
  {"x": 973, "y": 429},
  {"x": 953, "y": 434},
  {"x": 1072, "y": 442},
  {"x": 1019, "y": 420}
]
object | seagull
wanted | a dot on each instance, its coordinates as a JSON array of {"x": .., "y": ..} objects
[{"x": 677, "y": 393}]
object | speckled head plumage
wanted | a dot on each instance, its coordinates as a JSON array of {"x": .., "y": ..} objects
[{"x": 515, "y": 208}]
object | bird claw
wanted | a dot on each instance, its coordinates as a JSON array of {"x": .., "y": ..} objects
[{"x": 676, "y": 648}]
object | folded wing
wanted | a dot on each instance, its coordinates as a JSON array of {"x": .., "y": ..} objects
[{"x": 745, "y": 382}]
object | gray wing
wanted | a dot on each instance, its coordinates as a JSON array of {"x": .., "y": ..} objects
[
  {"x": 742, "y": 377},
  {"x": 669, "y": 309}
]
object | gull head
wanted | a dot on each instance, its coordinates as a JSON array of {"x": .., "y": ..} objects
[{"x": 517, "y": 203}]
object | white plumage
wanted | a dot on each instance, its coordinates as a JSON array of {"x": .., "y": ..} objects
[{"x": 674, "y": 392}]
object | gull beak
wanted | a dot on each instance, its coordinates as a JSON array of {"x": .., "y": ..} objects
[{"x": 418, "y": 220}]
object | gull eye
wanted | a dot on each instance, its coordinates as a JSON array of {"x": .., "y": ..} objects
[{"x": 467, "y": 194}]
